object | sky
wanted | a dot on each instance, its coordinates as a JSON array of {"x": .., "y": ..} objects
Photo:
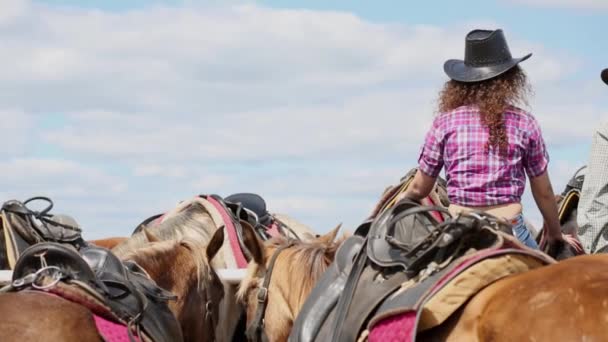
[{"x": 117, "y": 110}]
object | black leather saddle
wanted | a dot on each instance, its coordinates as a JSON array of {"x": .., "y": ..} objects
[
  {"x": 576, "y": 182},
  {"x": 253, "y": 202},
  {"x": 396, "y": 246},
  {"x": 23, "y": 227},
  {"x": 125, "y": 288}
]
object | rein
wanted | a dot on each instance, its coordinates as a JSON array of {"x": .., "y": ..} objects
[
  {"x": 255, "y": 332},
  {"x": 284, "y": 227}
]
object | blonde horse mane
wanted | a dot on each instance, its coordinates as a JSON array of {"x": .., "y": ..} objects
[{"x": 194, "y": 221}]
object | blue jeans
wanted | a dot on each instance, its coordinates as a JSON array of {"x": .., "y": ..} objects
[{"x": 522, "y": 233}]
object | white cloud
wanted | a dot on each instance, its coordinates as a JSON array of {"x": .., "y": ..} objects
[
  {"x": 573, "y": 4},
  {"x": 57, "y": 178}
]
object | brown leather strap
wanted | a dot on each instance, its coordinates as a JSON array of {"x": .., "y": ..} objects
[{"x": 255, "y": 332}]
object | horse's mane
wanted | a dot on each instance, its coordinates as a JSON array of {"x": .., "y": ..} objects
[
  {"x": 194, "y": 221},
  {"x": 298, "y": 267}
]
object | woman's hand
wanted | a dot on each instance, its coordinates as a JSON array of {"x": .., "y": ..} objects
[{"x": 554, "y": 239}]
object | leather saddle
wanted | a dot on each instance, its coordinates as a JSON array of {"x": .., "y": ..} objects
[
  {"x": 132, "y": 297},
  {"x": 23, "y": 227},
  {"x": 576, "y": 182},
  {"x": 402, "y": 244},
  {"x": 390, "y": 194},
  {"x": 254, "y": 203}
]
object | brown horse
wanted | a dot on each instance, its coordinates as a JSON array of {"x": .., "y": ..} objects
[
  {"x": 180, "y": 266},
  {"x": 566, "y": 301},
  {"x": 533, "y": 305},
  {"x": 192, "y": 216}
]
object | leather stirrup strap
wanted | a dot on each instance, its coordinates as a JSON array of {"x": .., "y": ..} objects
[{"x": 349, "y": 289}]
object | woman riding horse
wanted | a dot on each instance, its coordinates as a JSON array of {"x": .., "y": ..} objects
[{"x": 486, "y": 143}]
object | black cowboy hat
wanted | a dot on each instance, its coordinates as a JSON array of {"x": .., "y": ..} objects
[
  {"x": 605, "y": 76},
  {"x": 486, "y": 55}
]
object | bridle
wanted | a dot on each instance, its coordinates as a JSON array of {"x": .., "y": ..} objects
[
  {"x": 255, "y": 332},
  {"x": 210, "y": 320}
]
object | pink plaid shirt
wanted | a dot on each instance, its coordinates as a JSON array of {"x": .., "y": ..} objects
[{"x": 476, "y": 175}]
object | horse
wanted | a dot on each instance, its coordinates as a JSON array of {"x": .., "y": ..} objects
[
  {"x": 179, "y": 265},
  {"x": 289, "y": 285},
  {"x": 546, "y": 292},
  {"x": 194, "y": 216}
]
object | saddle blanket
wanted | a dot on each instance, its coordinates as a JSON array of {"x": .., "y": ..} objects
[
  {"x": 450, "y": 293},
  {"x": 110, "y": 331}
]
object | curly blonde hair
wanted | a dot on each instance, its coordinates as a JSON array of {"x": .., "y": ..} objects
[{"x": 492, "y": 97}]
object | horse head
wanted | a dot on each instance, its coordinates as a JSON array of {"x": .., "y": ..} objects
[
  {"x": 279, "y": 278},
  {"x": 182, "y": 266}
]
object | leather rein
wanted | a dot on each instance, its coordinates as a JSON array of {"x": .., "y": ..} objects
[{"x": 255, "y": 332}]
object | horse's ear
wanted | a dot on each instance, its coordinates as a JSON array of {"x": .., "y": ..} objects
[
  {"x": 151, "y": 237},
  {"x": 215, "y": 244},
  {"x": 254, "y": 245},
  {"x": 331, "y": 236}
]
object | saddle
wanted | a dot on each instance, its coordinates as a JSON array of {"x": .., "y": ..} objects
[
  {"x": 400, "y": 261},
  {"x": 97, "y": 279},
  {"x": 438, "y": 196},
  {"x": 255, "y": 204},
  {"x": 23, "y": 227},
  {"x": 576, "y": 182}
]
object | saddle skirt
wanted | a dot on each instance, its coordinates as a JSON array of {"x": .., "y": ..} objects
[{"x": 96, "y": 278}]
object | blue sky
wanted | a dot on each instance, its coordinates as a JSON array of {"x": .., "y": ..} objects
[{"x": 119, "y": 109}]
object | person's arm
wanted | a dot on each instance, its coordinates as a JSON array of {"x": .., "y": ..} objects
[
  {"x": 535, "y": 161},
  {"x": 420, "y": 187},
  {"x": 542, "y": 191},
  {"x": 430, "y": 163}
]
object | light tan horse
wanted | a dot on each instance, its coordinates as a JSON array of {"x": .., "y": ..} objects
[
  {"x": 296, "y": 271},
  {"x": 565, "y": 301},
  {"x": 194, "y": 216},
  {"x": 180, "y": 266}
]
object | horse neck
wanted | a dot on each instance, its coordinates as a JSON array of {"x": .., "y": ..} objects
[
  {"x": 176, "y": 270},
  {"x": 289, "y": 285}
]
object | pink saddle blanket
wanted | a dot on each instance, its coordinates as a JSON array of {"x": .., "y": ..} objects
[{"x": 111, "y": 331}]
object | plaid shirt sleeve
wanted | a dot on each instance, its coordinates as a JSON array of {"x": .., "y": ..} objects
[
  {"x": 430, "y": 160},
  {"x": 536, "y": 157}
]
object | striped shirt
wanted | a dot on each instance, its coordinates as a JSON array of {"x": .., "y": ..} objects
[{"x": 477, "y": 175}]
